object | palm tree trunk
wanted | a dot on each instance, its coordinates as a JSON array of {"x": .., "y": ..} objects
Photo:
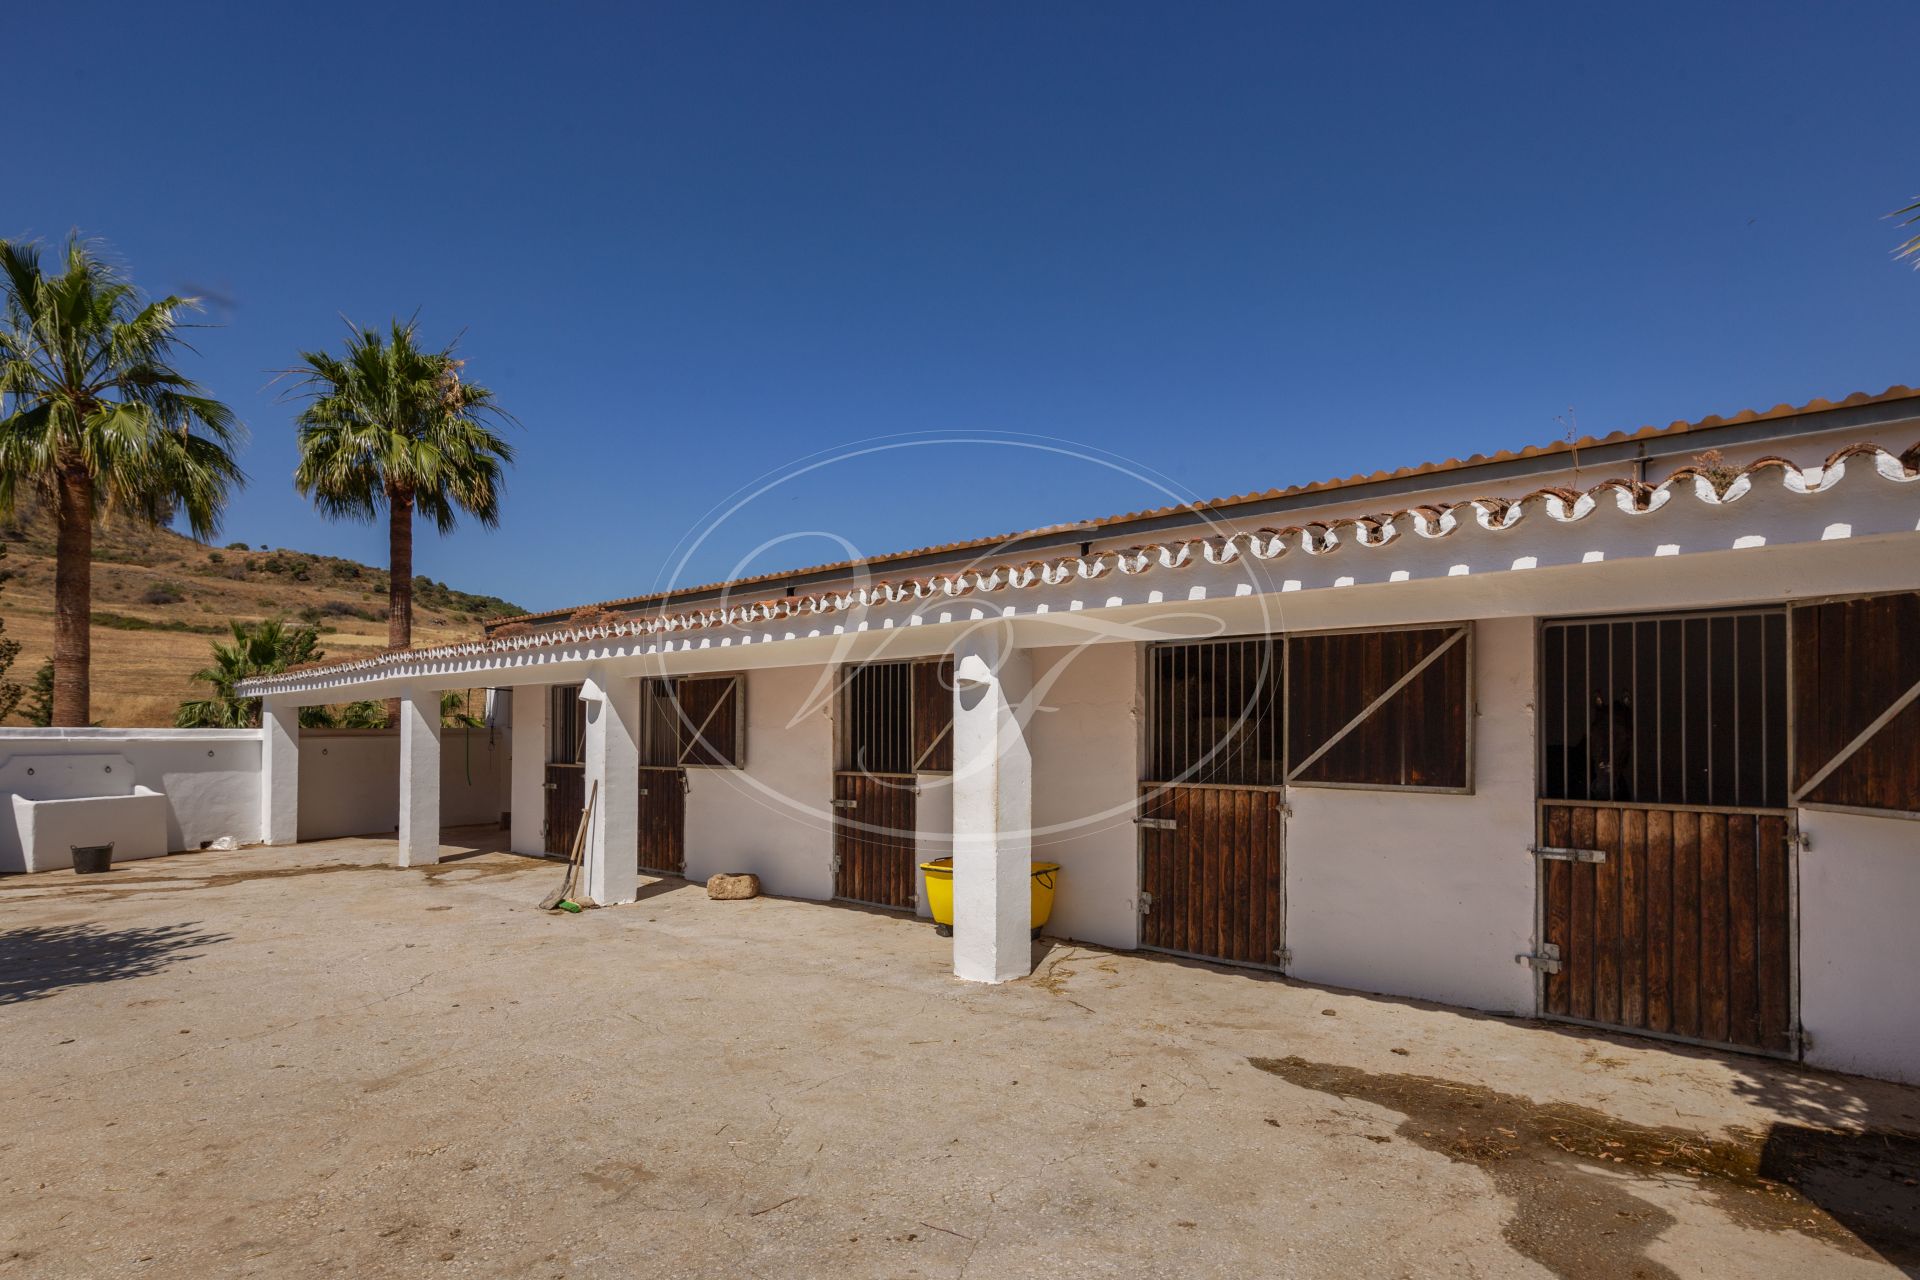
[
  {"x": 399, "y": 580},
  {"x": 73, "y": 598}
]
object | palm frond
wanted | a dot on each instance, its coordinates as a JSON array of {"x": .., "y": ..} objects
[
  {"x": 257, "y": 649},
  {"x": 389, "y": 420},
  {"x": 86, "y": 381},
  {"x": 1909, "y": 216}
]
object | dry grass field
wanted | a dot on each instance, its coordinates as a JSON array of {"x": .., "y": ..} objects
[{"x": 160, "y": 600}]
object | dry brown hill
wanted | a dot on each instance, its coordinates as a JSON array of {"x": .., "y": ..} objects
[{"x": 160, "y": 600}]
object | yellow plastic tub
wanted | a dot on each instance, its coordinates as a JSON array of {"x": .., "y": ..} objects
[{"x": 1046, "y": 875}]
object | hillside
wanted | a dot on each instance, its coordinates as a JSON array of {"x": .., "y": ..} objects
[{"x": 159, "y": 600}]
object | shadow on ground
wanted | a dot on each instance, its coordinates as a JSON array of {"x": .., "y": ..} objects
[
  {"x": 1868, "y": 1182},
  {"x": 36, "y": 962},
  {"x": 1563, "y": 1165}
]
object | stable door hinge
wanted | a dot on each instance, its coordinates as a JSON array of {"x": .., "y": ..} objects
[
  {"x": 1144, "y": 903},
  {"x": 846, "y": 804},
  {"x": 1157, "y": 824},
  {"x": 1546, "y": 960}
]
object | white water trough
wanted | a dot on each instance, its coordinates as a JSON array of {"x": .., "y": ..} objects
[{"x": 67, "y": 800}]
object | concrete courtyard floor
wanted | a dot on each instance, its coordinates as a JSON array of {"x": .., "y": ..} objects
[{"x": 291, "y": 1062}]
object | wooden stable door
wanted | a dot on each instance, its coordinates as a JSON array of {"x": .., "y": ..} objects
[
  {"x": 663, "y": 815},
  {"x": 663, "y": 821},
  {"x": 566, "y": 796},
  {"x": 874, "y": 860},
  {"x": 1210, "y": 872},
  {"x": 1672, "y": 921},
  {"x": 894, "y": 722}
]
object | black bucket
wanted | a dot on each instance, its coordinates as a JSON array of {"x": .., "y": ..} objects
[{"x": 92, "y": 859}]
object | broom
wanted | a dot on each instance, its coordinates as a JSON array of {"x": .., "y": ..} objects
[{"x": 560, "y": 899}]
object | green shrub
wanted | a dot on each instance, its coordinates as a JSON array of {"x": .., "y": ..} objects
[{"x": 122, "y": 622}]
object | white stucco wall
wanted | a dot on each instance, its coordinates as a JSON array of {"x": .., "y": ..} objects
[
  {"x": 527, "y": 767},
  {"x": 932, "y": 829},
  {"x": 772, "y": 817},
  {"x": 1860, "y": 944},
  {"x": 1428, "y": 895},
  {"x": 211, "y": 777},
  {"x": 350, "y": 780},
  {"x": 1085, "y": 775}
]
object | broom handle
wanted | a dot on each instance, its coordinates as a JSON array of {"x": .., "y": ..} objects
[{"x": 580, "y": 836}]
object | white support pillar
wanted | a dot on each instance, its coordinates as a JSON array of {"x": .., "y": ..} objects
[
  {"x": 612, "y": 708},
  {"x": 279, "y": 771},
  {"x": 527, "y": 796},
  {"x": 992, "y": 809},
  {"x": 419, "y": 777}
]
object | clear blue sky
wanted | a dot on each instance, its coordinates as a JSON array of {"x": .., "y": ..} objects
[{"x": 1239, "y": 245}]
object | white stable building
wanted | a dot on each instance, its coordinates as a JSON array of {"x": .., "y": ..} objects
[{"x": 1623, "y": 732}]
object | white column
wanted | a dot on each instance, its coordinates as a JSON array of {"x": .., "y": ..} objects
[
  {"x": 992, "y": 810},
  {"x": 612, "y": 708},
  {"x": 527, "y": 796},
  {"x": 279, "y": 771},
  {"x": 419, "y": 777}
]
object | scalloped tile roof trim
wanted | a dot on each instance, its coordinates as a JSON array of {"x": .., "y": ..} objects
[
  {"x": 1566, "y": 506},
  {"x": 1227, "y": 502}
]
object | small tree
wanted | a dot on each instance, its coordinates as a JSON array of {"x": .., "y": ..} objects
[
  {"x": 38, "y": 708},
  {"x": 10, "y": 690},
  {"x": 455, "y": 712},
  {"x": 365, "y": 714},
  {"x": 368, "y": 714},
  {"x": 258, "y": 649}
]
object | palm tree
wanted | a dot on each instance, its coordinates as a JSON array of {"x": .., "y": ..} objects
[
  {"x": 95, "y": 420},
  {"x": 392, "y": 425},
  {"x": 258, "y": 649}
]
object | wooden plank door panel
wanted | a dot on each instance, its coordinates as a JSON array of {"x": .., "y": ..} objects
[
  {"x": 1157, "y": 860},
  {"x": 873, "y": 840},
  {"x": 1684, "y": 928},
  {"x": 663, "y": 821},
  {"x": 566, "y": 797},
  {"x": 1212, "y": 878}
]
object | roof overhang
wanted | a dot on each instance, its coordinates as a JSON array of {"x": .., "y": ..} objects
[
  {"x": 1544, "y": 551},
  {"x": 1860, "y": 415}
]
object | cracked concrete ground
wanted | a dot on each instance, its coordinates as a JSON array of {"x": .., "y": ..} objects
[{"x": 296, "y": 1062}]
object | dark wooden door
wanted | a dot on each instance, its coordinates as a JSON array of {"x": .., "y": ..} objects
[
  {"x": 1210, "y": 866},
  {"x": 663, "y": 820},
  {"x": 566, "y": 797},
  {"x": 1683, "y": 927},
  {"x": 874, "y": 858}
]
